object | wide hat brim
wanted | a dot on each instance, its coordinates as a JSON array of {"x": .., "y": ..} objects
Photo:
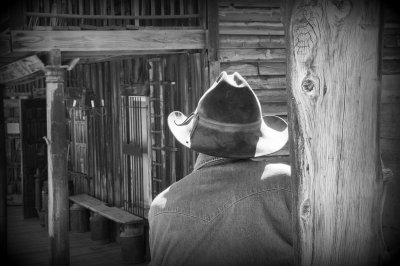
[{"x": 271, "y": 136}]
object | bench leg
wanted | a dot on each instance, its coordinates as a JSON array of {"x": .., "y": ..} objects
[
  {"x": 78, "y": 218},
  {"x": 133, "y": 245},
  {"x": 99, "y": 228}
]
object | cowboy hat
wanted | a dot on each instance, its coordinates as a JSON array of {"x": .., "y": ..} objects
[{"x": 228, "y": 122}]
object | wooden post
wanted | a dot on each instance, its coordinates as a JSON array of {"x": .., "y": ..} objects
[
  {"x": 3, "y": 180},
  {"x": 213, "y": 40},
  {"x": 57, "y": 162},
  {"x": 334, "y": 94}
]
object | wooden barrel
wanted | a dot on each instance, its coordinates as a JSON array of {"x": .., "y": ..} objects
[
  {"x": 133, "y": 244},
  {"x": 99, "y": 228},
  {"x": 78, "y": 218}
]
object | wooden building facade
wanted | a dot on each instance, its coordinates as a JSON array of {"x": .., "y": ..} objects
[{"x": 130, "y": 63}]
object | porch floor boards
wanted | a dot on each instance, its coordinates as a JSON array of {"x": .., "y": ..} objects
[{"x": 28, "y": 245}]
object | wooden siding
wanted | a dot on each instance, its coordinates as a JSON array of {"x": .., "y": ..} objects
[
  {"x": 390, "y": 121},
  {"x": 252, "y": 44}
]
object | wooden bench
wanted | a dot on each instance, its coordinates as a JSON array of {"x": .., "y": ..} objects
[
  {"x": 113, "y": 213},
  {"x": 133, "y": 240}
]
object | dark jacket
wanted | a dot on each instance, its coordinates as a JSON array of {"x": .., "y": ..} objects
[{"x": 226, "y": 212}]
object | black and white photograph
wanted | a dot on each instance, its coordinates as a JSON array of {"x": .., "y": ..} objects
[{"x": 200, "y": 132}]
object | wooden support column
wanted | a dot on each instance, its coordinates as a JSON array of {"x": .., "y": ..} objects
[
  {"x": 57, "y": 162},
  {"x": 3, "y": 181},
  {"x": 213, "y": 40},
  {"x": 334, "y": 95}
]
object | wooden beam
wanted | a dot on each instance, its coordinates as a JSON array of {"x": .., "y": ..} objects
[
  {"x": 20, "y": 69},
  {"x": 58, "y": 204},
  {"x": 3, "y": 181},
  {"x": 334, "y": 95},
  {"x": 107, "y": 40}
]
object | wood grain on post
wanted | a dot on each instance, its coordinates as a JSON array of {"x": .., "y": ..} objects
[
  {"x": 57, "y": 162},
  {"x": 334, "y": 94}
]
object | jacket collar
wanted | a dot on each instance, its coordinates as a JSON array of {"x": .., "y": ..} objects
[{"x": 204, "y": 160}]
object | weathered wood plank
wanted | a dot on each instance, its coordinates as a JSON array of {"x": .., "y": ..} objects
[
  {"x": 244, "y": 69},
  {"x": 272, "y": 55},
  {"x": 390, "y": 150},
  {"x": 391, "y": 53},
  {"x": 391, "y": 82},
  {"x": 250, "y": 14},
  {"x": 334, "y": 117},
  {"x": 274, "y": 108},
  {"x": 391, "y": 28},
  {"x": 391, "y": 41},
  {"x": 247, "y": 41},
  {"x": 390, "y": 121},
  {"x": 271, "y": 68},
  {"x": 271, "y": 96},
  {"x": 107, "y": 40},
  {"x": 390, "y": 96},
  {"x": 251, "y": 28},
  {"x": 255, "y": 68},
  {"x": 250, "y": 3},
  {"x": 390, "y": 67},
  {"x": 390, "y": 89},
  {"x": 266, "y": 82}
]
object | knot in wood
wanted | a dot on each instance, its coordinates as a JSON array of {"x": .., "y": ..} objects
[
  {"x": 305, "y": 210},
  {"x": 307, "y": 85}
]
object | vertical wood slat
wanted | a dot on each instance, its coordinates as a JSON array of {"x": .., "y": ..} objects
[
  {"x": 213, "y": 39},
  {"x": 100, "y": 116},
  {"x": 82, "y": 21},
  {"x": 47, "y": 10},
  {"x": 136, "y": 12},
  {"x": 112, "y": 12},
  {"x": 122, "y": 9},
  {"x": 91, "y": 11},
  {"x": 115, "y": 123},
  {"x": 153, "y": 12},
  {"x": 103, "y": 11},
  {"x": 108, "y": 131},
  {"x": 86, "y": 75},
  {"x": 72, "y": 21},
  {"x": 144, "y": 12}
]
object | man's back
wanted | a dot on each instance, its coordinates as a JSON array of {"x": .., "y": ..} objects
[{"x": 227, "y": 212}]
